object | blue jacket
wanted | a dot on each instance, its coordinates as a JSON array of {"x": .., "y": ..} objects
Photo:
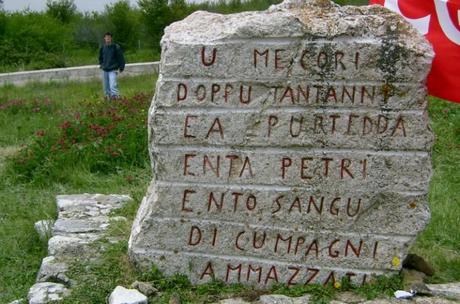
[{"x": 111, "y": 57}]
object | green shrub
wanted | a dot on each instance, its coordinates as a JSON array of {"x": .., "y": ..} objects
[
  {"x": 62, "y": 10},
  {"x": 103, "y": 138}
]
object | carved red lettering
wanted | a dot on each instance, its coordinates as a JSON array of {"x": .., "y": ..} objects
[
  {"x": 203, "y": 57},
  {"x": 207, "y": 163},
  {"x": 208, "y": 271},
  {"x": 230, "y": 268},
  {"x": 212, "y": 199},
  {"x": 314, "y": 273},
  {"x": 326, "y": 161},
  {"x": 215, "y": 88},
  {"x": 285, "y": 163},
  {"x": 349, "y": 213},
  {"x": 227, "y": 91},
  {"x": 186, "y": 164},
  {"x": 247, "y": 99},
  {"x": 399, "y": 126},
  {"x": 344, "y": 165},
  {"x": 272, "y": 121},
  {"x": 247, "y": 164},
  {"x": 356, "y": 251},
  {"x": 214, "y": 237},
  {"x": 300, "y": 122},
  {"x": 374, "y": 253},
  {"x": 264, "y": 53},
  {"x": 291, "y": 279},
  {"x": 278, "y": 65},
  {"x": 333, "y": 253},
  {"x": 333, "y": 117},
  {"x": 195, "y": 236},
  {"x": 330, "y": 278},
  {"x": 187, "y": 125},
  {"x": 237, "y": 239},
  {"x": 257, "y": 240},
  {"x": 236, "y": 196},
  {"x": 216, "y": 127},
  {"x": 181, "y": 88},
  {"x": 280, "y": 238},
  {"x": 185, "y": 200},
  {"x": 257, "y": 269},
  {"x": 304, "y": 166},
  {"x": 278, "y": 204},
  {"x": 313, "y": 247},
  {"x": 272, "y": 275},
  {"x": 338, "y": 60},
  {"x": 300, "y": 242}
]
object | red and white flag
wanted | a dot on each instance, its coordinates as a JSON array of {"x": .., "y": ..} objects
[{"x": 439, "y": 21}]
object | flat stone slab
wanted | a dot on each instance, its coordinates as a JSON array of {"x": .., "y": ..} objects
[
  {"x": 82, "y": 220},
  {"x": 53, "y": 271},
  {"x": 451, "y": 290},
  {"x": 280, "y": 299},
  {"x": 288, "y": 146},
  {"x": 42, "y": 293},
  {"x": 342, "y": 298}
]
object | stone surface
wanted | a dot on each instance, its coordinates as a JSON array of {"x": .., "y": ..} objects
[
  {"x": 20, "y": 301},
  {"x": 451, "y": 290},
  {"x": 281, "y": 299},
  {"x": 47, "y": 292},
  {"x": 233, "y": 301},
  {"x": 53, "y": 271},
  {"x": 145, "y": 288},
  {"x": 414, "y": 281},
  {"x": 342, "y": 298},
  {"x": 121, "y": 295},
  {"x": 81, "y": 73},
  {"x": 349, "y": 297},
  {"x": 44, "y": 228},
  {"x": 82, "y": 220},
  {"x": 287, "y": 146}
]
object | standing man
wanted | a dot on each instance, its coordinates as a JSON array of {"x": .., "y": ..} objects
[{"x": 111, "y": 60}]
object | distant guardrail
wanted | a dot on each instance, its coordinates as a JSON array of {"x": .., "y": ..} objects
[{"x": 80, "y": 73}]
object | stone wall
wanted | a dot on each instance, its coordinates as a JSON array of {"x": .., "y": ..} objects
[{"x": 81, "y": 73}]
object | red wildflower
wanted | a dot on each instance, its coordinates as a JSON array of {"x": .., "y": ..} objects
[{"x": 40, "y": 133}]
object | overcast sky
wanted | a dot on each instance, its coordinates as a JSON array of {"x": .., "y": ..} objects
[{"x": 38, "y": 5}]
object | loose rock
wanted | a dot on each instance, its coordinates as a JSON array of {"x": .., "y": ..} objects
[
  {"x": 233, "y": 301},
  {"x": 44, "y": 228},
  {"x": 144, "y": 288},
  {"x": 121, "y": 295},
  {"x": 42, "y": 293}
]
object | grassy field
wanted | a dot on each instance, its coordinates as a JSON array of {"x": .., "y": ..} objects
[
  {"x": 36, "y": 114},
  {"x": 46, "y": 107}
]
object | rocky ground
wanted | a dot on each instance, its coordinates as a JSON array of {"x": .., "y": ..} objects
[{"x": 84, "y": 219}]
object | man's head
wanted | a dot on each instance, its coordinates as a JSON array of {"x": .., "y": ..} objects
[{"x": 108, "y": 38}]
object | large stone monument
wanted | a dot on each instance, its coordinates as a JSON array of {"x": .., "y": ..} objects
[{"x": 288, "y": 146}]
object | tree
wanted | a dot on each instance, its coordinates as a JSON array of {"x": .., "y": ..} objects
[
  {"x": 157, "y": 14},
  {"x": 125, "y": 26},
  {"x": 63, "y": 10}
]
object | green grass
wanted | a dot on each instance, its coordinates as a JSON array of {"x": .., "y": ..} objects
[
  {"x": 439, "y": 243},
  {"x": 22, "y": 204}
]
